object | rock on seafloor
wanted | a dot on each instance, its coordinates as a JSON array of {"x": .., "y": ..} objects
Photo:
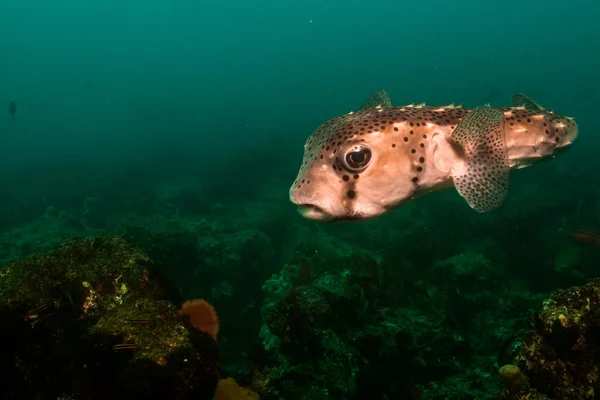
[
  {"x": 560, "y": 357},
  {"x": 91, "y": 320}
]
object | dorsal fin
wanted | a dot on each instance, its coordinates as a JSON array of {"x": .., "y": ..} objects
[
  {"x": 520, "y": 100},
  {"x": 379, "y": 98}
]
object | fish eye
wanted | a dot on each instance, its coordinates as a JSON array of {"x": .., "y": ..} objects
[{"x": 357, "y": 158}]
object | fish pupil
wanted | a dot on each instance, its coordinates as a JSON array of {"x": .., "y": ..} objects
[{"x": 358, "y": 158}]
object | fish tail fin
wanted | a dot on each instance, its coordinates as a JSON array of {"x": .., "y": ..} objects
[
  {"x": 379, "y": 98},
  {"x": 482, "y": 178}
]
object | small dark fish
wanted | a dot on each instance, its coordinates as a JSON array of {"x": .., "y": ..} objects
[
  {"x": 257, "y": 373},
  {"x": 35, "y": 313},
  {"x": 139, "y": 321},
  {"x": 588, "y": 235},
  {"x": 126, "y": 346}
]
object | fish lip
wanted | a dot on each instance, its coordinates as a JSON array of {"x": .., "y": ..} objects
[
  {"x": 316, "y": 213},
  {"x": 313, "y": 212}
]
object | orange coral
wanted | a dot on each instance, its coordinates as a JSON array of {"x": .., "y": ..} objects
[
  {"x": 228, "y": 389},
  {"x": 202, "y": 316},
  {"x": 512, "y": 376}
]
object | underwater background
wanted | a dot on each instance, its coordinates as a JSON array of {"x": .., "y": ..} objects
[{"x": 152, "y": 145}]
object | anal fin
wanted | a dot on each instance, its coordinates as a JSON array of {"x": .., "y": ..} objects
[
  {"x": 520, "y": 100},
  {"x": 482, "y": 180},
  {"x": 379, "y": 98}
]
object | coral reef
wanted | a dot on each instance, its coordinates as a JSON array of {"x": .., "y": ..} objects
[
  {"x": 334, "y": 335},
  {"x": 432, "y": 301},
  {"x": 228, "y": 389},
  {"x": 202, "y": 316}
]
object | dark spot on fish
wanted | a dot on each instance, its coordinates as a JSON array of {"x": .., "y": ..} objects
[
  {"x": 415, "y": 179},
  {"x": 405, "y": 139},
  {"x": 413, "y": 151},
  {"x": 421, "y": 160},
  {"x": 419, "y": 169},
  {"x": 351, "y": 194},
  {"x": 396, "y": 129},
  {"x": 393, "y": 144},
  {"x": 422, "y": 145},
  {"x": 356, "y": 176},
  {"x": 346, "y": 178}
]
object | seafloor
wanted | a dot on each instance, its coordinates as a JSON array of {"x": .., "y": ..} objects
[{"x": 432, "y": 301}]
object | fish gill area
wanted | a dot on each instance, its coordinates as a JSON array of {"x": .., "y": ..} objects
[{"x": 433, "y": 301}]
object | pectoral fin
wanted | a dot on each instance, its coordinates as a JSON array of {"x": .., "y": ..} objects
[{"x": 482, "y": 179}]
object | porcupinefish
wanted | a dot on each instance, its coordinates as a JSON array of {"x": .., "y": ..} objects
[{"x": 362, "y": 164}]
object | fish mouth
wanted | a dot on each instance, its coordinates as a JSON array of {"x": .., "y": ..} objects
[
  {"x": 313, "y": 212},
  {"x": 316, "y": 213}
]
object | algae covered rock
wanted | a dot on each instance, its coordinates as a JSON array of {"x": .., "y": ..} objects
[
  {"x": 330, "y": 301},
  {"x": 560, "y": 357},
  {"x": 90, "y": 276},
  {"x": 90, "y": 320}
]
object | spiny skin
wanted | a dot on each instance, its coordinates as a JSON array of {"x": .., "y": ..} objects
[{"x": 412, "y": 152}]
